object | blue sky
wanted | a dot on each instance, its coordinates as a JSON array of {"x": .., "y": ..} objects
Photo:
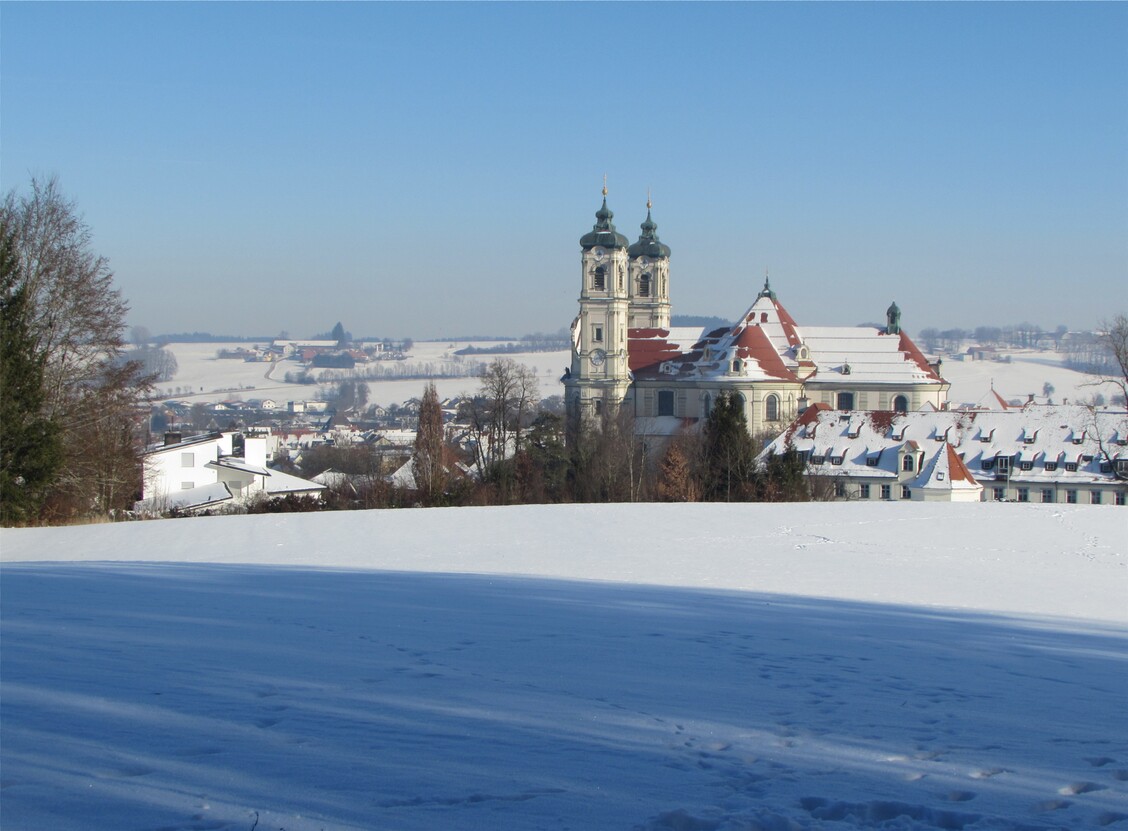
[{"x": 427, "y": 170}]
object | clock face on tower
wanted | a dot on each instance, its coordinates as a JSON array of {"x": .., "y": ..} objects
[
  {"x": 598, "y": 357},
  {"x": 599, "y": 253}
]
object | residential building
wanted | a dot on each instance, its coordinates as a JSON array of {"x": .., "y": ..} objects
[{"x": 205, "y": 472}]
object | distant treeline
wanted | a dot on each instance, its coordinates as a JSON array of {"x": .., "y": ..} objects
[
  {"x": 525, "y": 345},
  {"x": 208, "y": 337},
  {"x": 704, "y": 321}
]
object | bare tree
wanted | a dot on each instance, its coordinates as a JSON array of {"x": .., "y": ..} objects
[
  {"x": 1113, "y": 340},
  {"x": 501, "y": 410},
  {"x": 76, "y": 324}
]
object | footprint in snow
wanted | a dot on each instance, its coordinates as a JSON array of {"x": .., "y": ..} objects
[{"x": 1075, "y": 788}]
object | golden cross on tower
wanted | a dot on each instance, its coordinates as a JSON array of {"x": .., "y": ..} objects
[
  {"x": 604, "y": 184},
  {"x": 648, "y": 205}
]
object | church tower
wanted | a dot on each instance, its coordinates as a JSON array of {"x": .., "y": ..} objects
[
  {"x": 599, "y": 376},
  {"x": 649, "y": 294}
]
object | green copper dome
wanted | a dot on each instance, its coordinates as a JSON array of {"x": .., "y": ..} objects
[
  {"x": 648, "y": 244},
  {"x": 603, "y": 233}
]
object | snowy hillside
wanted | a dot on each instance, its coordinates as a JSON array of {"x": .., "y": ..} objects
[
  {"x": 691, "y": 667},
  {"x": 210, "y": 379}
]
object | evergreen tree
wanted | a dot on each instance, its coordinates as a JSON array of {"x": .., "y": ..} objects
[
  {"x": 676, "y": 479},
  {"x": 728, "y": 453},
  {"x": 542, "y": 465},
  {"x": 782, "y": 478},
  {"x": 431, "y": 474},
  {"x": 30, "y": 448}
]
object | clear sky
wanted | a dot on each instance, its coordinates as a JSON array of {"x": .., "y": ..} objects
[{"x": 427, "y": 170}]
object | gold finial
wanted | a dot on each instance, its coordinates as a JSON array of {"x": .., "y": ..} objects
[
  {"x": 648, "y": 205},
  {"x": 604, "y": 184}
]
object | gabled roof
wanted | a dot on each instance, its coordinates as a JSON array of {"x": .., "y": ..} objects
[
  {"x": 770, "y": 345},
  {"x": 946, "y": 471}
]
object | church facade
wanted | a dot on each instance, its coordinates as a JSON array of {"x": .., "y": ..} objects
[{"x": 625, "y": 354}]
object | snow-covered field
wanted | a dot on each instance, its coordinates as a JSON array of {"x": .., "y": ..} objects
[
  {"x": 689, "y": 667},
  {"x": 210, "y": 379}
]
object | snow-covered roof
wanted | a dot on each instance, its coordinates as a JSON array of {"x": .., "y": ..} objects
[
  {"x": 281, "y": 483},
  {"x": 1046, "y": 440},
  {"x": 767, "y": 344},
  {"x": 236, "y": 463}
]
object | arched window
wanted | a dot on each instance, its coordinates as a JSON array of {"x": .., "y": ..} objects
[
  {"x": 907, "y": 463},
  {"x": 771, "y": 408},
  {"x": 644, "y": 285},
  {"x": 706, "y": 404},
  {"x": 900, "y": 404},
  {"x": 736, "y": 364},
  {"x": 599, "y": 279}
]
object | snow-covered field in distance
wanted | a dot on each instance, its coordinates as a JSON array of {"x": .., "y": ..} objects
[
  {"x": 211, "y": 379},
  {"x": 842, "y": 665}
]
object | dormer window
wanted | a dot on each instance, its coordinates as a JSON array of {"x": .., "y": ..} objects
[
  {"x": 818, "y": 460},
  {"x": 802, "y": 353},
  {"x": 1051, "y": 466},
  {"x": 736, "y": 365},
  {"x": 763, "y": 317},
  {"x": 908, "y": 463},
  {"x": 1071, "y": 467}
]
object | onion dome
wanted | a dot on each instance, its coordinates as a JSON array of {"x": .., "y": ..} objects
[
  {"x": 648, "y": 244},
  {"x": 603, "y": 233}
]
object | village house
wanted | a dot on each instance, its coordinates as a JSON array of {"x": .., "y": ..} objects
[{"x": 218, "y": 469}]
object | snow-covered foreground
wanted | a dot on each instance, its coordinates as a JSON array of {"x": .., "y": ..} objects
[{"x": 587, "y": 667}]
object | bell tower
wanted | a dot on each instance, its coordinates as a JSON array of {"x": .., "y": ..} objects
[
  {"x": 649, "y": 294},
  {"x": 599, "y": 377}
]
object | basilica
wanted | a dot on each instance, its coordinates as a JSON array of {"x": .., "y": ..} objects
[{"x": 625, "y": 354}]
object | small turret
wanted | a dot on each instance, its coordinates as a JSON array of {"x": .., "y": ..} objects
[{"x": 893, "y": 320}]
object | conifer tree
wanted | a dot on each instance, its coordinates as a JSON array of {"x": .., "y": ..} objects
[
  {"x": 431, "y": 474},
  {"x": 30, "y": 448},
  {"x": 676, "y": 478},
  {"x": 728, "y": 453}
]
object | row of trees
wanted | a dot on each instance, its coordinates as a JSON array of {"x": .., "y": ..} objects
[
  {"x": 522, "y": 454},
  {"x": 1019, "y": 335},
  {"x": 68, "y": 436}
]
